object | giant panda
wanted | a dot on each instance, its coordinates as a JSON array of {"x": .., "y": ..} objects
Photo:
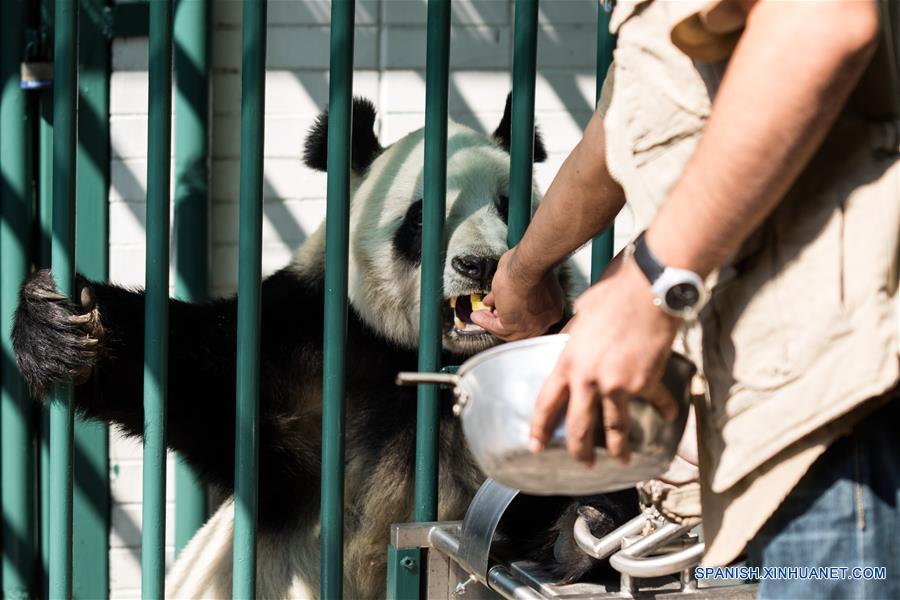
[{"x": 98, "y": 340}]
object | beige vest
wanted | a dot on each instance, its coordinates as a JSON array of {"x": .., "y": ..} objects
[{"x": 804, "y": 325}]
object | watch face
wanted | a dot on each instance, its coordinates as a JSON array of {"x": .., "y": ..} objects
[{"x": 682, "y": 296}]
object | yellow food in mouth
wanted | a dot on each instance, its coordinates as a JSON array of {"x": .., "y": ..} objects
[
  {"x": 477, "y": 303},
  {"x": 463, "y": 307}
]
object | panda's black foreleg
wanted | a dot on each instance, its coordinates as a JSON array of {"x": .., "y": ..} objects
[
  {"x": 603, "y": 514},
  {"x": 542, "y": 529},
  {"x": 97, "y": 339}
]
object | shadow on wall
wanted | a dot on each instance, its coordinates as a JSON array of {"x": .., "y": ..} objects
[{"x": 563, "y": 57}]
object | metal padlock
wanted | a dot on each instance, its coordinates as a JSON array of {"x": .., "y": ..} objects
[{"x": 36, "y": 75}]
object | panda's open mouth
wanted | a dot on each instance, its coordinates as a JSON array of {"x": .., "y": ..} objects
[{"x": 463, "y": 307}]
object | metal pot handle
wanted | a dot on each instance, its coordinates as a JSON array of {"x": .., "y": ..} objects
[
  {"x": 415, "y": 378},
  {"x": 451, "y": 379}
]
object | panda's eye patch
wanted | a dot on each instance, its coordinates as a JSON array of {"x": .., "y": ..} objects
[
  {"x": 408, "y": 237},
  {"x": 502, "y": 206}
]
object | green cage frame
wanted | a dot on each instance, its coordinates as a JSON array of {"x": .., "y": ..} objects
[{"x": 54, "y": 469}]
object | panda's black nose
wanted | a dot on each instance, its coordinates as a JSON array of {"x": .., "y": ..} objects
[{"x": 480, "y": 268}]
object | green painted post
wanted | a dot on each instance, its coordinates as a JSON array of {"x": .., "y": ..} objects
[
  {"x": 17, "y": 493},
  {"x": 337, "y": 239},
  {"x": 45, "y": 232},
  {"x": 437, "y": 64},
  {"x": 90, "y": 577},
  {"x": 602, "y": 245},
  {"x": 63, "y": 267},
  {"x": 191, "y": 211},
  {"x": 156, "y": 305},
  {"x": 403, "y": 573},
  {"x": 521, "y": 158},
  {"x": 403, "y": 563},
  {"x": 249, "y": 293},
  {"x": 45, "y": 151}
]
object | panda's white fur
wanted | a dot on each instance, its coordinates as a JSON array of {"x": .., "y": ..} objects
[
  {"x": 382, "y": 289},
  {"x": 287, "y": 565}
]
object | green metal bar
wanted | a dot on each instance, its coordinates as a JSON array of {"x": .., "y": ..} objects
[
  {"x": 63, "y": 267},
  {"x": 437, "y": 65},
  {"x": 45, "y": 158},
  {"x": 17, "y": 493},
  {"x": 129, "y": 19},
  {"x": 249, "y": 293},
  {"x": 156, "y": 305},
  {"x": 90, "y": 577},
  {"x": 521, "y": 161},
  {"x": 337, "y": 239},
  {"x": 190, "y": 504},
  {"x": 191, "y": 211},
  {"x": 45, "y": 233},
  {"x": 403, "y": 573},
  {"x": 602, "y": 245}
]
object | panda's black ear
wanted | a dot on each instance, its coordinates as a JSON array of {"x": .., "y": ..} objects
[
  {"x": 365, "y": 144},
  {"x": 503, "y": 133}
]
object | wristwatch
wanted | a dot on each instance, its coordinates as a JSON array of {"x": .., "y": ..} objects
[{"x": 679, "y": 292}]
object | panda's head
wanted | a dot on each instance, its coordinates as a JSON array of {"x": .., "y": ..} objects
[{"x": 386, "y": 225}]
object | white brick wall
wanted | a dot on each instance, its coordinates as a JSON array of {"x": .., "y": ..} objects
[{"x": 389, "y": 62}]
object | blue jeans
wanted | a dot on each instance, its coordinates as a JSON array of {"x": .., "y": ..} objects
[{"x": 845, "y": 512}]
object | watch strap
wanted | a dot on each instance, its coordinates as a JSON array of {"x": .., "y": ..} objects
[{"x": 646, "y": 260}]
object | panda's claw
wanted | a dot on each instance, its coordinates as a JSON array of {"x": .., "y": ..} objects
[
  {"x": 53, "y": 337},
  {"x": 81, "y": 319},
  {"x": 44, "y": 294}
]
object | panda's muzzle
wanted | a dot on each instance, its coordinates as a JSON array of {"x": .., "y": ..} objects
[
  {"x": 477, "y": 268},
  {"x": 463, "y": 307}
]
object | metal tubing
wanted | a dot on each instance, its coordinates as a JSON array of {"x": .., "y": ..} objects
[
  {"x": 63, "y": 267},
  {"x": 437, "y": 67},
  {"x": 445, "y": 541},
  {"x": 630, "y": 560},
  {"x": 499, "y": 578},
  {"x": 191, "y": 211},
  {"x": 658, "y": 566},
  {"x": 505, "y": 583},
  {"x": 17, "y": 491},
  {"x": 156, "y": 305},
  {"x": 253, "y": 86},
  {"x": 602, "y": 246},
  {"x": 337, "y": 238},
  {"x": 521, "y": 161},
  {"x": 601, "y": 548}
]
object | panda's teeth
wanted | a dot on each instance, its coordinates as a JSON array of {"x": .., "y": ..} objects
[
  {"x": 453, "y": 302},
  {"x": 459, "y": 324}
]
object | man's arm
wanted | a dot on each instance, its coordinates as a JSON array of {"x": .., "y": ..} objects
[
  {"x": 581, "y": 201},
  {"x": 791, "y": 73}
]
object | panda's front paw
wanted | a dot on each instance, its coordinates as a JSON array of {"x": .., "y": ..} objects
[
  {"x": 55, "y": 338},
  {"x": 571, "y": 563},
  {"x": 602, "y": 513}
]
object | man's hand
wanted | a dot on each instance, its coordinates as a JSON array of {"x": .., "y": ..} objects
[
  {"x": 617, "y": 351},
  {"x": 526, "y": 305}
]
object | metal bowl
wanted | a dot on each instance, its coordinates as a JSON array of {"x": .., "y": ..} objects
[{"x": 496, "y": 392}]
